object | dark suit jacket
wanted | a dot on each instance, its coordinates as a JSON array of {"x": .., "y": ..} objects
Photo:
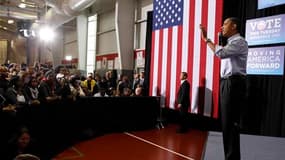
[{"x": 184, "y": 94}]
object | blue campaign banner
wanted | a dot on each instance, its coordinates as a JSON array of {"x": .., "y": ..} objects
[
  {"x": 265, "y": 61},
  {"x": 266, "y": 30},
  {"x": 269, "y": 3}
]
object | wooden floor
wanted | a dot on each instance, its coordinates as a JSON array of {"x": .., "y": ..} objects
[{"x": 156, "y": 144}]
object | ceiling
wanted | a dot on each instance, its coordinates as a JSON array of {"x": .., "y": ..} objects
[
  {"x": 103, "y": 5},
  {"x": 10, "y": 10}
]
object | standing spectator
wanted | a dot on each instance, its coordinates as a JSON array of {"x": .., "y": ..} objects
[
  {"x": 183, "y": 102},
  {"x": 141, "y": 82},
  {"x": 136, "y": 81}
]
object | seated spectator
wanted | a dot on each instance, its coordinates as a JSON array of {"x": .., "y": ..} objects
[
  {"x": 111, "y": 92},
  {"x": 75, "y": 87},
  {"x": 47, "y": 89},
  {"x": 21, "y": 143},
  {"x": 88, "y": 85},
  {"x": 15, "y": 92},
  {"x": 3, "y": 78},
  {"x": 101, "y": 93},
  {"x": 139, "y": 91},
  {"x": 26, "y": 157},
  {"x": 31, "y": 92},
  {"x": 62, "y": 86},
  {"x": 125, "y": 83},
  {"x": 127, "y": 92}
]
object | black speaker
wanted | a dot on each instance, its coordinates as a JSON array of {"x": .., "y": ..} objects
[
  {"x": 24, "y": 28},
  {"x": 24, "y": 24}
]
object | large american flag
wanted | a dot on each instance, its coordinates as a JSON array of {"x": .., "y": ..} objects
[{"x": 177, "y": 47}]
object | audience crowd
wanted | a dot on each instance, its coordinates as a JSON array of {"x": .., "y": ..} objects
[{"x": 25, "y": 86}]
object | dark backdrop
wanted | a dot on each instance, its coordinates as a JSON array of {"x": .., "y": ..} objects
[{"x": 265, "y": 112}]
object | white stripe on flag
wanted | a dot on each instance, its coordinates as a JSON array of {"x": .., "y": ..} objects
[
  {"x": 186, "y": 11},
  {"x": 155, "y": 63},
  {"x": 173, "y": 68},
  {"x": 210, "y": 59},
  {"x": 196, "y": 57},
  {"x": 164, "y": 67}
]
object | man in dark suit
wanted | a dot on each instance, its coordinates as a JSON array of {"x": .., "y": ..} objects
[{"x": 183, "y": 102}]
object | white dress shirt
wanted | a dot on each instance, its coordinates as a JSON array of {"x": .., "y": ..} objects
[{"x": 233, "y": 56}]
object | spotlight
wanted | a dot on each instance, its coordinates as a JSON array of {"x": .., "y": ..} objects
[{"x": 46, "y": 34}]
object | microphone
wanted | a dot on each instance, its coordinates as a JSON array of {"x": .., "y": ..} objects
[{"x": 220, "y": 39}]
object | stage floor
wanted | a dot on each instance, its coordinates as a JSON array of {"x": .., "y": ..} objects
[
  {"x": 166, "y": 144},
  {"x": 252, "y": 147},
  {"x": 155, "y": 144}
]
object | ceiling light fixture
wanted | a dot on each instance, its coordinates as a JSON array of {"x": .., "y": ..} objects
[
  {"x": 10, "y": 21},
  {"x": 22, "y": 5},
  {"x": 68, "y": 58}
]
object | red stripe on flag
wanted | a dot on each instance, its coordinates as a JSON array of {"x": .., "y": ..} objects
[
  {"x": 191, "y": 45},
  {"x": 168, "y": 76},
  {"x": 202, "y": 74},
  {"x": 216, "y": 74},
  {"x": 152, "y": 63},
  {"x": 179, "y": 58},
  {"x": 159, "y": 71}
]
